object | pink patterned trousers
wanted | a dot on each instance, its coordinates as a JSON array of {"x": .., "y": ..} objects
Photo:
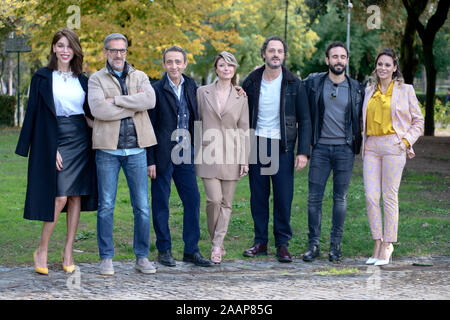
[{"x": 384, "y": 160}]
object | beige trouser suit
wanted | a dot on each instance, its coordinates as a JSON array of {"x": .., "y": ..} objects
[{"x": 221, "y": 147}]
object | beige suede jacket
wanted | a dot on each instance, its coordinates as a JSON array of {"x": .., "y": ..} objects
[{"x": 140, "y": 98}]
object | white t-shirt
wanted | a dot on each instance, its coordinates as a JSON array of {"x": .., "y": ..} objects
[
  {"x": 68, "y": 95},
  {"x": 268, "y": 123}
]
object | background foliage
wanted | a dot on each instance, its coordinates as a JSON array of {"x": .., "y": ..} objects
[{"x": 7, "y": 104}]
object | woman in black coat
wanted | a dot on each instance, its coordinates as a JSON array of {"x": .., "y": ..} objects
[{"x": 56, "y": 134}]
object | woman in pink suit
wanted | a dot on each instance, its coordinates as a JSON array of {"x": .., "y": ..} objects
[{"x": 392, "y": 122}]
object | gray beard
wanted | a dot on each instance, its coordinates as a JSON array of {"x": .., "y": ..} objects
[{"x": 271, "y": 66}]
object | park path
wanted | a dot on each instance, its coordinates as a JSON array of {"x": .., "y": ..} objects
[{"x": 407, "y": 278}]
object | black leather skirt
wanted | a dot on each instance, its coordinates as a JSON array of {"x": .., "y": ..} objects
[{"x": 73, "y": 145}]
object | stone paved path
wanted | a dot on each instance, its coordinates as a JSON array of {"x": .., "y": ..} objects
[{"x": 245, "y": 280}]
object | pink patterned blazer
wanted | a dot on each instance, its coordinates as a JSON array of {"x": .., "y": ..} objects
[{"x": 407, "y": 119}]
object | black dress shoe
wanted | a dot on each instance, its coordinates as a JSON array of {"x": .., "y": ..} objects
[
  {"x": 258, "y": 249},
  {"x": 197, "y": 259},
  {"x": 312, "y": 253},
  {"x": 335, "y": 253},
  {"x": 165, "y": 258},
  {"x": 283, "y": 254}
]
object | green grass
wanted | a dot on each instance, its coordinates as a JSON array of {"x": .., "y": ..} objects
[
  {"x": 337, "y": 271},
  {"x": 423, "y": 226}
]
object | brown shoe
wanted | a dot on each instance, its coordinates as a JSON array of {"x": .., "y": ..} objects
[
  {"x": 283, "y": 254},
  {"x": 257, "y": 250}
]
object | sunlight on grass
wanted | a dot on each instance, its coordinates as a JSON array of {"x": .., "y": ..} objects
[{"x": 337, "y": 271}]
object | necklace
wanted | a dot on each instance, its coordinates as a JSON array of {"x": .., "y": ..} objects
[
  {"x": 222, "y": 97},
  {"x": 65, "y": 74}
]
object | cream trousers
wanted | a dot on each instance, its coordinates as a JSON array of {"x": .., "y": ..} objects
[
  {"x": 219, "y": 200},
  {"x": 384, "y": 160}
]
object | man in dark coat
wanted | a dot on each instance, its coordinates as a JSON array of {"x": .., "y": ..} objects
[
  {"x": 39, "y": 131},
  {"x": 279, "y": 115},
  {"x": 173, "y": 122}
]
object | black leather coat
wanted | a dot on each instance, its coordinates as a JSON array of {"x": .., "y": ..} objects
[
  {"x": 314, "y": 87},
  {"x": 295, "y": 119}
]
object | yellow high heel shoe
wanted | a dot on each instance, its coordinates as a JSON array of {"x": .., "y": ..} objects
[
  {"x": 43, "y": 271},
  {"x": 68, "y": 269}
]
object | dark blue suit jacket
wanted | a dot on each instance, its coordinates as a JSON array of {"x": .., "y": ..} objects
[{"x": 164, "y": 119}]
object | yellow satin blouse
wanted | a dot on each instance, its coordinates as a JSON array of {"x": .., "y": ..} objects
[{"x": 379, "y": 120}]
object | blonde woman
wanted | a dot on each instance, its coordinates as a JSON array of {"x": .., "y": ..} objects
[
  {"x": 392, "y": 122},
  {"x": 223, "y": 115}
]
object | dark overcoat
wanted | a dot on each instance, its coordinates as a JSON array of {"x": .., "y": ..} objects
[
  {"x": 39, "y": 139},
  {"x": 164, "y": 118}
]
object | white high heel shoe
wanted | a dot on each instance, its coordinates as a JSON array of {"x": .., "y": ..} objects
[
  {"x": 388, "y": 257},
  {"x": 371, "y": 260}
]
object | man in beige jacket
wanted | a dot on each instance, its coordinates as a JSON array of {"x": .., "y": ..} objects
[{"x": 119, "y": 97}]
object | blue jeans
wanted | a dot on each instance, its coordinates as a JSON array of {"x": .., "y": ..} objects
[
  {"x": 283, "y": 189},
  {"x": 185, "y": 180},
  {"x": 135, "y": 169},
  {"x": 325, "y": 158}
]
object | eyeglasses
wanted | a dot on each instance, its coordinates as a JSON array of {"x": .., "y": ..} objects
[
  {"x": 116, "y": 51},
  {"x": 335, "y": 92}
]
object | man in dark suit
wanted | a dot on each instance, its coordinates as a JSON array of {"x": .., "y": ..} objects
[{"x": 173, "y": 122}]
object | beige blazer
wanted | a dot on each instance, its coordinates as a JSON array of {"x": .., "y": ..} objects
[
  {"x": 103, "y": 85},
  {"x": 224, "y": 140},
  {"x": 407, "y": 119}
]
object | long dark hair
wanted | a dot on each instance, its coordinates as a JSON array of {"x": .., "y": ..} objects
[
  {"x": 76, "y": 64},
  {"x": 396, "y": 76}
]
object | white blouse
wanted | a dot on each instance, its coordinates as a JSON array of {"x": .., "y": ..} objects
[{"x": 68, "y": 95}]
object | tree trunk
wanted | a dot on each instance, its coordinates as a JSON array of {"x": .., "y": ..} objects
[
  {"x": 424, "y": 79},
  {"x": 409, "y": 62},
  {"x": 10, "y": 79},
  {"x": 427, "y": 35},
  {"x": 431, "y": 73}
]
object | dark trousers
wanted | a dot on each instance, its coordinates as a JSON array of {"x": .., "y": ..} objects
[
  {"x": 283, "y": 188},
  {"x": 325, "y": 158},
  {"x": 185, "y": 181}
]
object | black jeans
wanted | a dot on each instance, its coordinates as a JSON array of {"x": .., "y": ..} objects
[
  {"x": 325, "y": 158},
  {"x": 282, "y": 178}
]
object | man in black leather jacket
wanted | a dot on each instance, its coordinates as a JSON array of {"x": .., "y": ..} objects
[
  {"x": 336, "y": 103},
  {"x": 279, "y": 114}
]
